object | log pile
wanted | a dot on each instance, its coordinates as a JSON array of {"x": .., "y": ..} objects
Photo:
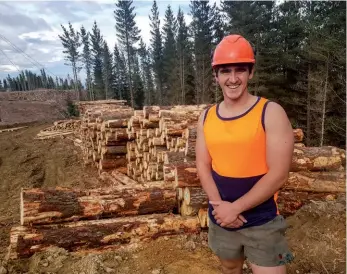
[
  {"x": 149, "y": 182},
  {"x": 155, "y": 132},
  {"x": 60, "y": 128},
  {"x": 103, "y": 133},
  {"x": 316, "y": 172}
]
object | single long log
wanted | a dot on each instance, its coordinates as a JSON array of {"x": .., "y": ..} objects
[
  {"x": 333, "y": 181},
  {"x": 84, "y": 235},
  {"x": 125, "y": 180},
  {"x": 318, "y": 158},
  {"x": 292, "y": 200},
  {"x": 112, "y": 163},
  {"x": 117, "y": 150},
  {"x": 42, "y": 206}
]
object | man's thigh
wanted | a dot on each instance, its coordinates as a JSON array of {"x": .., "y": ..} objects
[
  {"x": 266, "y": 247},
  {"x": 227, "y": 245}
]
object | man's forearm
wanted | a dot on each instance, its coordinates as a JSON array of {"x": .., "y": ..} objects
[
  {"x": 264, "y": 189},
  {"x": 207, "y": 182}
]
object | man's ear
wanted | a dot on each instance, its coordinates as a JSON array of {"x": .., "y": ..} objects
[{"x": 251, "y": 74}]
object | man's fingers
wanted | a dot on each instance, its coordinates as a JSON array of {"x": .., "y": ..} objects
[
  {"x": 215, "y": 203},
  {"x": 242, "y": 218}
]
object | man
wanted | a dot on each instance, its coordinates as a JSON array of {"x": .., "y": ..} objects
[{"x": 243, "y": 153}]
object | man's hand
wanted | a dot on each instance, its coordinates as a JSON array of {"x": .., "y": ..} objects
[{"x": 227, "y": 215}]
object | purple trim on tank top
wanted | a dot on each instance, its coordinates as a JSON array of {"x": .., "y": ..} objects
[
  {"x": 230, "y": 189},
  {"x": 263, "y": 114},
  {"x": 205, "y": 116},
  {"x": 238, "y": 116}
]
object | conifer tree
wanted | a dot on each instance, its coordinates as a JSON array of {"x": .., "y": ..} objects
[
  {"x": 97, "y": 56},
  {"x": 87, "y": 61},
  {"x": 156, "y": 52},
  {"x": 71, "y": 43},
  {"x": 128, "y": 35}
]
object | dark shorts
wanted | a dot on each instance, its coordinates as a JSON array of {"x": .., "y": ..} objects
[{"x": 263, "y": 245}]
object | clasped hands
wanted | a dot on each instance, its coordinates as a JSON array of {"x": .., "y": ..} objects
[{"x": 227, "y": 215}]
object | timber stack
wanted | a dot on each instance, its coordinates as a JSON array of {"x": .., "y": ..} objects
[
  {"x": 316, "y": 173},
  {"x": 103, "y": 133},
  {"x": 156, "y": 132}
]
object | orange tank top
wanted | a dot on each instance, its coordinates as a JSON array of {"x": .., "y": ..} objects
[{"x": 237, "y": 147}]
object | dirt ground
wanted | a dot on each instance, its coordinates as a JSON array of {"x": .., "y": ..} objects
[{"x": 316, "y": 232}]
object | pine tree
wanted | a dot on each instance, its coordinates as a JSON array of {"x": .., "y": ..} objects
[
  {"x": 146, "y": 75},
  {"x": 156, "y": 52},
  {"x": 120, "y": 81},
  {"x": 71, "y": 42},
  {"x": 201, "y": 28},
  {"x": 1, "y": 87},
  {"x": 128, "y": 35},
  {"x": 139, "y": 92},
  {"x": 97, "y": 56},
  {"x": 87, "y": 61},
  {"x": 5, "y": 85},
  {"x": 171, "y": 85},
  {"x": 107, "y": 72},
  {"x": 184, "y": 59}
]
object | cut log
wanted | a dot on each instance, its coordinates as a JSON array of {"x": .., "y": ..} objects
[
  {"x": 42, "y": 206},
  {"x": 111, "y": 163},
  {"x": 298, "y": 135},
  {"x": 195, "y": 197},
  {"x": 117, "y": 150},
  {"x": 289, "y": 202},
  {"x": 83, "y": 235},
  {"x": 203, "y": 217},
  {"x": 333, "y": 181},
  {"x": 125, "y": 180},
  {"x": 118, "y": 123},
  {"x": 325, "y": 158},
  {"x": 169, "y": 173},
  {"x": 187, "y": 210},
  {"x": 187, "y": 175}
]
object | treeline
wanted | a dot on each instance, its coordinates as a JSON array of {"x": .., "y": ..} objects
[
  {"x": 28, "y": 80},
  {"x": 300, "y": 52}
]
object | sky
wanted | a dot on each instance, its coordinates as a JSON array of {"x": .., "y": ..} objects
[{"x": 29, "y": 30}]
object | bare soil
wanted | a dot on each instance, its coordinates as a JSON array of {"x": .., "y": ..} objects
[
  {"x": 20, "y": 112},
  {"x": 316, "y": 232}
]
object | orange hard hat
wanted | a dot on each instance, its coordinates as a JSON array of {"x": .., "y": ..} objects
[{"x": 233, "y": 49}]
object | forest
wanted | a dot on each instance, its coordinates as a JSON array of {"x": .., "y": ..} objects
[{"x": 300, "y": 59}]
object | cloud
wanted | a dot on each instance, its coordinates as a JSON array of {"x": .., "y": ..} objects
[{"x": 33, "y": 27}]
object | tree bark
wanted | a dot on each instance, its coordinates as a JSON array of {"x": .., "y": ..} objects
[
  {"x": 317, "y": 158},
  {"x": 42, "y": 206},
  {"x": 84, "y": 235}
]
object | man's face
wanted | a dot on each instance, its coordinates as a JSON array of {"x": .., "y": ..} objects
[{"x": 233, "y": 80}]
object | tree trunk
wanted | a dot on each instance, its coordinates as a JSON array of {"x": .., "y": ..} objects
[
  {"x": 325, "y": 91},
  {"x": 317, "y": 158},
  {"x": 42, "y": 206},
  {"x": 97, "y": 234}
]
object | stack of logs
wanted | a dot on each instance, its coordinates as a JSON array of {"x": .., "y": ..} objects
[
  {"x": 103, "y": 133},
  {"x": 162, "y": 194},
  {"x": 316, "y": 173},
  {"x": 59, "y": 128},
  {"x": 155, "y": 133}
]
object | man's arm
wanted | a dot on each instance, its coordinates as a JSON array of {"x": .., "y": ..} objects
[
  {"x": 203, "y": 163},
  {"x": 279, "y": 153}
]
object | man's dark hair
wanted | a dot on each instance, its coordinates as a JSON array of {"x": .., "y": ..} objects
[{"x": 218, "y": 67}]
